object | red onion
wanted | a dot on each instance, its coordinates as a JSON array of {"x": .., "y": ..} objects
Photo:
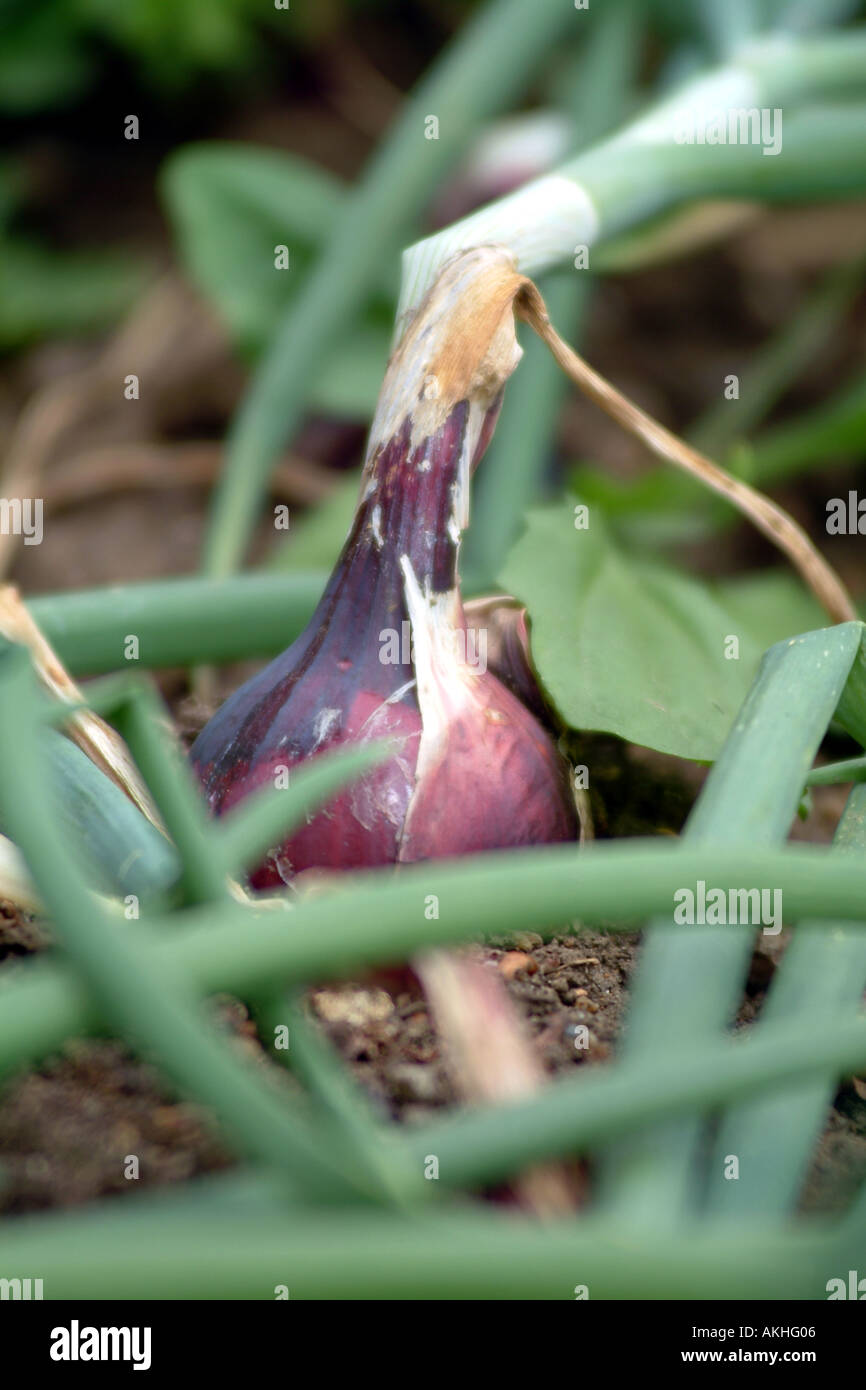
[{"x": 388, "y": 651}]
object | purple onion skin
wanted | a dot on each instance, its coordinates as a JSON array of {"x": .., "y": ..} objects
[{"x": 488, "y": 777}]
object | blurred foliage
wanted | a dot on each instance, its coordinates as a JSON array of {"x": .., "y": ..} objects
[
  {"x": 44, "y": 293},
  {"x": 231, "y": 206},
  {"x": 317, "y": 539},
  {"x": 51, "y": 53}
]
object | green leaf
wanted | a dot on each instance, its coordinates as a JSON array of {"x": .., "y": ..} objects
[
  {"x": 125, "y": 852},
  {"x": 180, "y": 622},
  {"x": 631, "y": 646},
  {"x": 687, "y": 989},
  {"x": 823, "y": 968},
  {"x": 771, "y": 605},
  {"x": 230, "y": 206}
]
